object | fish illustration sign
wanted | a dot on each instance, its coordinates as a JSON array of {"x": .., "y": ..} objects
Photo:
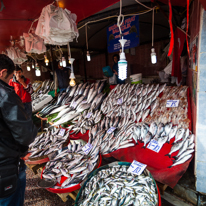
[{"x": 130, "y": 31}]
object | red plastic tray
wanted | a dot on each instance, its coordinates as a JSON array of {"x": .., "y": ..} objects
[
  {"x": 40, "y": 161},
  {"x": 69, "y": 189}
]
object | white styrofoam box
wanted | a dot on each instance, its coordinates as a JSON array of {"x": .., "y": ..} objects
[
  {"x": 136, "y": 77},
  {"x": 46, "y": 100}
]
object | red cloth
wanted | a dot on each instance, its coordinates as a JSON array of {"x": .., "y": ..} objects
[
  {"x": 171, "y": 30},
  {"x": 20, "y": 91},
  {"x": 178, "y": 47}
]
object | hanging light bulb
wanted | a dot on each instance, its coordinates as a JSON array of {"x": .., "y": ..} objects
[
  {"x": 60, "y": 63},
  {"x": 37, "y": 71},
  {"x": 46, "y": 60},
  {"x": 64, "y": 63},
  {"x": 33, "y": 65},
  {"x": 72, "y": 77},
  {"x": 28, "y": 67},
  {"x": 153, "y": 56},
  {"x": 122, "y": 63},
  {"x": 88, "y": 56}
]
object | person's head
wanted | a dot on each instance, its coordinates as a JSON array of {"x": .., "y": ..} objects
[
  {"x": 6, "y": 68},
  {"x": 18, "y": 71},
  {"x": 115, "y": 58}
]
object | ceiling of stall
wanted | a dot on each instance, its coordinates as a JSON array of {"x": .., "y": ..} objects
[{"x": 17, "y": 16}]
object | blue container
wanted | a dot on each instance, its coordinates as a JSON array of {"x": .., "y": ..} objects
[{"x": 107, "y": 71}]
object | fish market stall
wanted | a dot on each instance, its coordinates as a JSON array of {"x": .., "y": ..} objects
[
  {"x": 115, "y": 184},
  {"x": 151, "y": 141}
]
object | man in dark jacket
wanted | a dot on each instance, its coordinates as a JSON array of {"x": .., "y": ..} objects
[
  {"x": 23, "y": 89},
  {"x": 17, "y": 131}
]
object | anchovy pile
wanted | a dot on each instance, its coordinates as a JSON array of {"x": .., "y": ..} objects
[
  {"x": 85, "y": 121},
  {"x": 79, "y": 98},
  {"x": 176, "y": 115},
  {"x": 135, "y": 101},
  {"x": 71, "y": 163},
  {"x": 47, "y": 143},
  {"x": 117, "y": 186}
]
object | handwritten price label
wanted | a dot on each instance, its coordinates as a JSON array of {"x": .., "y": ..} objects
[
  {"x": 119, "y": 101},
  {"x": 89, "y": 115},
  {"x": 172, "y": 103},
  {"x": 87, "y": 148},
  {"x": 154, "y": 146},
  {"x": 136, "y": 167},
  {"x": 110, "y": 130},
  {"x": 62, "y": 132}
]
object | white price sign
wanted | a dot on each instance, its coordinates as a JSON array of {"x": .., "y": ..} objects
[
  {"x": 136, "y": 168},
  {"x": 110, "y": 130},
  {"x": 74, "y": 104},
  {"x": 61, "y": 132},
  {"x": 89, "y": 115},
  {"x": 119, "y": 101},
  {"x": 154, "y": 146},
  {"x": 172, "y": 103},
  {"x": 87, "y": 148}
]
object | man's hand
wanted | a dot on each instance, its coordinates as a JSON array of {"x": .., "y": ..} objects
[{"x": 21, "y": 81}]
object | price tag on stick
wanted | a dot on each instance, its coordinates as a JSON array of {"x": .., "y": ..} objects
[
  {"x": 136, "y": 167},
  {"x": 89, "y": 115},
  {"x": 172, "y": 103},
  {"x": 110, "y": 130},
  {"x": 87, "y": 148},
  {"x": 61, "y": 132},
  {"x": 119, "y": 101},
  {"x": 154, "y": 146}
]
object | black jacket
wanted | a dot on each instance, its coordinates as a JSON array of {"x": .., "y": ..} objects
[{"x": 17, "y": 130}]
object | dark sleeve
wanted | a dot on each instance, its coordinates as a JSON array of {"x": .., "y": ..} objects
[{"x": 21, "y": 126}]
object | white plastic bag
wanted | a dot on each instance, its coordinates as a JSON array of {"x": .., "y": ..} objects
[
  {"x": 113, "y": 79},
  {"x": 57, "y": 26}
]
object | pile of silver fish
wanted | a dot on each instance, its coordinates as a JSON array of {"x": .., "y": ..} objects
[
  {"x": 47, "y": 143},
  {"x": 116, "y": 186},
  {"x": 176, "y": 115},
  {"x": 135, "y": 101},
  {"x": 79, "y": 98},
  {"x": 71, "y": 163},
  {"x": 85, "y": 121},
  {"x": 113, "y": 133},
  {"x": 116, "y": 133},
  {"x": 46, "y": 87}
]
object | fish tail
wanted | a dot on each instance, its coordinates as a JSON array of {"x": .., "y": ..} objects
[
  {"x": 170, "y": 166},
  {"x": 144, "y": 147},
  {"x": 168, "y": 155},
  {"x": 174, "y": 158}
]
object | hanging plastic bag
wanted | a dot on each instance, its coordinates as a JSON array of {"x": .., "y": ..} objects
[
  {"x": 113, "y": 79},
  {"x": 34, "y": 43},
  {"x": 16, "y": 55},
  {"x": 57, "y": 26}
]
